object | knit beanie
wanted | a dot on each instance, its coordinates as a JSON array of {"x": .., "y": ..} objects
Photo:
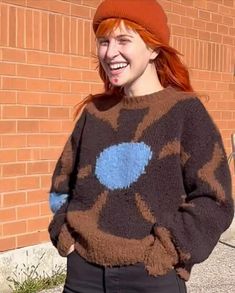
[{"x": 147, "y": 13}]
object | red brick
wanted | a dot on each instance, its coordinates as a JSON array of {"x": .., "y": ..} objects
[
  {"x": 37, "y": 57},
  {"x": 8, "y": 184},
  {"x": 55, "y": 113},
  {"x": 36, "y": 30},
  {"x": 45, "y": 30},
  {"x": 13, "y": 55},
  {"x": 80, "y": 62},
  {"x": 14, "y": 199},
  {"x": 227, "y": 40},
  {"x": 7, "y": 243},
  {"x": 27, "y": 212},
  {"x": 50, "y": 99},
  {"x": 200, "y": 4},
  {"x": 71, "y": 74},
  {"x": 59, "y": 33},
  {"x": 50, "y": 72},
  {"x": 27, "y": 70},
  {"x": 7, "y": 215},
  {"x": 14, "y": 112},
  {"x": 185, "y": 20},
  {"x": 12, "y": 26},
  {"x": 13, "y": 83},
  {"x": 217, "y": 38},
  {"x": 7, "y": 97},
  {"x": 80, "y": 37},
  {"x": 28, "y": 126},
  {"x": 7, "y": 126},
  {"x": 204, "y": 15},
  {"x": 16, "y": 169},
  {"x": 4, "y": 25},
  {"x": 228, "y": 20},
  {"x": 50, "y": 154},
  {"x": 216, "y": 18},
  {"x": 45, "y": 209},
  {"x": 7, "y": 156},
  {"x": 38, "y": 85},
  {"x": 67, "y": 34},
  {"x": 59, "y": 86},
  {"x": 46, "y": 181},
  {"x": 42, "y": 4},
  {"x": 37, "y": 168},
  {"x": 80, "y": 87},
  {"x": 178, "y": 30},
  {"x": 16, "y": 2},
  {"x": 224, "y": 10},
  {"x": 28, "y": 98},
  {"x": 36, "y": 196},
  {"x": 28, "y": 239},
  {"x": 28, "y": 154},
  {"x": 52, "y": 33},
  {"x": 204, "y": 35},
  {"x": 214, "y": 7},
  {"x": 37, "y": 112},
  {"x": 50, "y": 126},
  {"x": 20, "y": 25},
  {"x": 212, "y": 27},
  {"x": 38, "y": 224},
  {"x": 29, "y": 182},
  {"x": 59, "y": 7},
  {"x": 7, "y": 69},
  {"x": 74, "y": 34},
  {"x": 36, "y": 140},
  {"x": 14, "y": 228},
  {"x": 14, "y": 141},
  {"x": 59, "y": 60},
  {"x": 80, "y": 11},
  {"x": 87, "y": 44},
  {"x": 222, "y": 29},
  {"x": 29, "y": 28}
]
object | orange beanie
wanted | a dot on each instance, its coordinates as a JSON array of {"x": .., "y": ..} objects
[{"x": 147, "y": 13}]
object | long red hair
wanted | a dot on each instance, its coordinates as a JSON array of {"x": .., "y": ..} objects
[{"x": 170, "y": 69}]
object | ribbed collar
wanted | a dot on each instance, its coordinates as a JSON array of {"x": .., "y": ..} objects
[{"x": 129, "y": 101}]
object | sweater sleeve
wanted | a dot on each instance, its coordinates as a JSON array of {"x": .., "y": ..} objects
[
  {"x": 207, "y": 209},
  {"x": 63, "y": 180}
]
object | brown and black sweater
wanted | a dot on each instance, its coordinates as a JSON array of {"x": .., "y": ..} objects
[{"x": 142, "y": 179}]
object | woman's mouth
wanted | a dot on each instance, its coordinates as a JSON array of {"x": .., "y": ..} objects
[{"x": 117, "y": 68}]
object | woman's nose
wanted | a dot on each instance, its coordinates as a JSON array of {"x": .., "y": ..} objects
[{"x": 112, "y": 50}]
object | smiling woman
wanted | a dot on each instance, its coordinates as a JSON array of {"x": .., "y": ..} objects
[{"x": 142, "y": 190}]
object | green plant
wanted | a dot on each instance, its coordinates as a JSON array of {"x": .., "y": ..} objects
[{"x": 27, "y": 279}]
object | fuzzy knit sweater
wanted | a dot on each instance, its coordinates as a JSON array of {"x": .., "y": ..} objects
[{"x": 142, "y": 179}]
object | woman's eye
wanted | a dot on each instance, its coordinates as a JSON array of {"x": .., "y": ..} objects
[
  {"x": 103, "y": 42},
  {"x": 124, "y": 40}
]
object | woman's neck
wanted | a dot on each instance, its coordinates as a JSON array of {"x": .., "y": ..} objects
[{"x": 146, "y": 84}]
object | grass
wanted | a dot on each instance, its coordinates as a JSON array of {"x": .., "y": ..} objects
[{"x": 27, "y": 279}]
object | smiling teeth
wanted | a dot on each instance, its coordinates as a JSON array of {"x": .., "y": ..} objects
[{"x": 117, "y": 66}]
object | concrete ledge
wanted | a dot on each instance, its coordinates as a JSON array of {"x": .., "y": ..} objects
[
  {"x": 229, "y": 234},
  {"x": 28, "y": 256}
]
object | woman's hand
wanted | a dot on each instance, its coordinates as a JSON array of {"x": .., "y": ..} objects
[{"x": 71, "y": 249}]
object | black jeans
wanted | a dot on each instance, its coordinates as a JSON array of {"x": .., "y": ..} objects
[{"x": 84, "y": 277}]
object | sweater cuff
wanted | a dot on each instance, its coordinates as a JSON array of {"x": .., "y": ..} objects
[{"x": 65, "y": 240}]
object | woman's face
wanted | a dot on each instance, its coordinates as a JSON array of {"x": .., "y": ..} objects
[{"x": 125, "y": 57}]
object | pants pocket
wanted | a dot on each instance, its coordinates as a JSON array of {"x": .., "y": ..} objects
[{"x": 181, "y": 284}]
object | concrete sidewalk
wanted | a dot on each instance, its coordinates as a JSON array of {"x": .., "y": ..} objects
[{"x": 215, "y": 275}]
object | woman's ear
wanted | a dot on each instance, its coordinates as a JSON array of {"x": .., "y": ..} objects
[{"x": 154, "y": 54}]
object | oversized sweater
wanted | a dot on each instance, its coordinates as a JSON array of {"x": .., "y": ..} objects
[{"x": 142, "y": 179}]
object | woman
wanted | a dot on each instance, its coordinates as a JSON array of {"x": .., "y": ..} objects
[{"x": 142, "y": 190}]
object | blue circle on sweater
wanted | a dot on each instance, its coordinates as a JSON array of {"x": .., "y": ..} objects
[{"x": 118, "y": 166}]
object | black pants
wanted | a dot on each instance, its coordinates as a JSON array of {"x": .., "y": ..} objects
[{"x": 84, "y": 277}]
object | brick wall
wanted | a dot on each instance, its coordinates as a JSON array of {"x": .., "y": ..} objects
[{"x": 46, "y": 68}]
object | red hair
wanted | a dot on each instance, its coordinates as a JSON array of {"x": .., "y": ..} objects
[{"x": 170, "y": 69}]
